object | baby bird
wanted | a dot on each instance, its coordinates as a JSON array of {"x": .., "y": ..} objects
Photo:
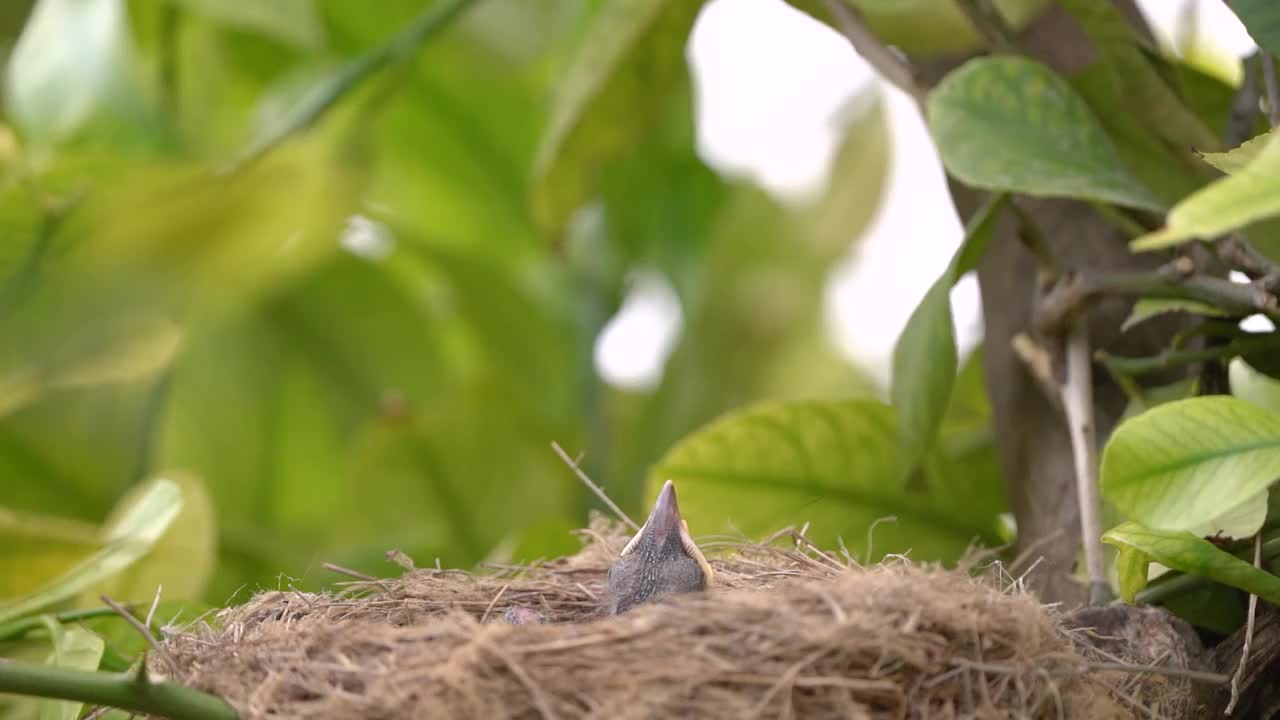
[{"x": 662, "y": 558}]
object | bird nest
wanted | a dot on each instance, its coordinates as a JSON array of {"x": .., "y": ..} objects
[{"x": 786, "y": 630}]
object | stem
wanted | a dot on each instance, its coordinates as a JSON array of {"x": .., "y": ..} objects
[
  {"x": 1272, "y": 87},
  {"x": 1172, "y": 282},
  {"x": 886, "y": 62},
  {"x": 20, "y": 627},
  {"x": 309, "y": 109},
  {"x": 1178, "y": 358},
  {"x": 118, "y": 690},
  {"x": 1077, "y": 401},
  {"x": 987, "y": 20}
]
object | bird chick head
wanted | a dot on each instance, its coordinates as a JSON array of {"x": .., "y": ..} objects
[{"x": 662, "y": 558}]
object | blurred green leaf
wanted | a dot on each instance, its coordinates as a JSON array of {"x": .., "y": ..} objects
[
  {"x": 1252, "y": 386},
  {"x": 1212, "y": 606},
  {"x": 74, "y": 648},
  {"x": 833, "y": 465},
  {"x": 181, "y": 560},
  {"x": 1142, "y": 90},
  {"x": 142, "y": 520},
  {"x": 627, "y": 64},
  {"x": 1013, "y": 125},
  {"x": 38, "y": 548},
  {"x": 924, "y": 359},
  {"x": 72, "y": 58},
  {"x": 290, "y": 21},
  {"x": 1226, "y": 204},
  {"x": 1262, "y": 19},
  {"x": 1237, "y": 159},
  {"x": 1185, "y": 463},
  {"x": 1186, "y": 552},
  {"x": 1132, "y": 565}
]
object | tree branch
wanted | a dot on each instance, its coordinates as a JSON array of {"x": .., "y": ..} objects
[
  {"x": 1178, "y": 358},
  {"x": 118, "y": 690},
  {"x": 433, "y": 19},
  {"x": 1174, "y": 281},
  {"x": 1077, "y": 401},
  {"x": 889, "y": 64},
  {"x": 989, "y": 23}
]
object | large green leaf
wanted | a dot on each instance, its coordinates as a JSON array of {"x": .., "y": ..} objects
[
  {"x": 1187, "y": 462},
  {"x": 1011, "y": 124},
  {"x": 74, "y": 648},
  {"x": 141, "y": 522},
  {"x": 38, "y": 548},
  {"x": 833, "y": 465},
  {"x": 1142, "y": 90},
  {"x": 1231, "y": 202},
  {"x": 1190, "y": 554},
  {"x": 924, "y": 359},
  {"x": 631, "y": 57},
  {"x": 1262, "y": 19}
]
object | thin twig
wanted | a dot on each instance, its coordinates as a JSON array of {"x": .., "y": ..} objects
[
  {"x": 1243, "y": 120},
  {"x": 1039, "y": 364},
  {"x": 1178, "y": 358},
  {"x": 1248, "y": 631},
  {"x": 155, "y": 603},
  {"x": 889, "y": 64},
  {"x": 987, "y": 20},
  {"x": 142, "y": 629},
  {"x": 599, "y": 493},
  {"x": 1084, "y": 668},
  {"x": 1077, "y": 401},
  {"x": 349, "y": 572},
  {"x": 435, "y": 17},
  {"x": 1272, "y": 88}
]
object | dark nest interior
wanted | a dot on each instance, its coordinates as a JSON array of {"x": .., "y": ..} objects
[{"x": 786, "y": 630}]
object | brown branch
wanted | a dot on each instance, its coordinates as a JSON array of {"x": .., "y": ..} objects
[
  {"x": 887, "y": 63},
  {"x": 142, "y": 630},
  {"x": 987, "y": 20},
  {"x": 596, "y": 489},
  {"x": 1173, "y": 281}
]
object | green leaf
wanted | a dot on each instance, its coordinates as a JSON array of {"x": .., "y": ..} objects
[
  {"x": 1185, "y": 552},
  {"x": 38, "y": 548},
  {"x": 1146, "y": 308},
  {"x": 1262, "y": 19},
  {"x": 1252, "y": 386},
  {"x": 1187, "y": 462},
  {"x": 833, "y": 465},
  {"x": 1236, "y": 159},
  {"x": 1132, "y": 565},
  {"x": 142, "y": 521},
  {"x": 632, "y": 56},
  {"x": 181, "y": 561},
  {"x": 924, "y": 359},
  {"x": 1142, "y": 90},
  {"x": 1011, "y": 124},
  {"x": 1241, "y": 521},
  {"x": 1231, "y": 202},
  {"x": 74, "y": 648},
  {"x": 290, "y": 21}
]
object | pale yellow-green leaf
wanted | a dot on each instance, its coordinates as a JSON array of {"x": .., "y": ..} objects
[
  {"x": 1249, "y": 195},
  {"x": 1150, "y": 307},
  {"x": 39, "y": 548},
  {"x": 74, "y": 648},
  {"x": 1241, "y": 521},
  {"x": 140, "y": 523},
  {"x": 1131, "y": 572},
  {"x": 183, "y": 558},
  {"x": 1236, "y": 159},
  {"x": 1254, "y": 387}
]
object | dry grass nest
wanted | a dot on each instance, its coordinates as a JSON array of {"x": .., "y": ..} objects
[{"x": 787, "y": 630}]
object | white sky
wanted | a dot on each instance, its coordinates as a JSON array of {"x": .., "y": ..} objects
[{"x": 770, "y": 80}]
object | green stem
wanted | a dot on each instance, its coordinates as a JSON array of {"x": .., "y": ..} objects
[
  {"x": 430, "y": 21},
  {"x": 20, "y": 627},
  {"x": 118, "y": 690},
  {"x": 1178, "y": 358}
]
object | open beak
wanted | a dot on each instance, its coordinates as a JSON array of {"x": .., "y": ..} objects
[{"x": 663, "y": 519}]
